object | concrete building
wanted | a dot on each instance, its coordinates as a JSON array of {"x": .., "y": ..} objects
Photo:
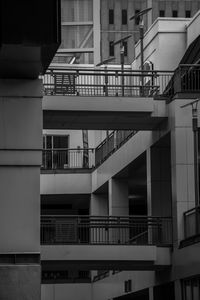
[
  {"x": 91, "y": 26},
  {"x": 121, "y": 221}
]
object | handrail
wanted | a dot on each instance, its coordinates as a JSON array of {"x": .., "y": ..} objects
[
  {"x": 109, "y": 230},
  {"x": 192, "y": 222},
  {"x": 109, "y": 82}
]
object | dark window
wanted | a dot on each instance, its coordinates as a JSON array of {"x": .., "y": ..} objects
[
  {"x": 124, "y": 16},
  {"x": 174, "y": 13},
  {"x": 111, "y": 16},
  {"x": 111, "y": 49},
  {"x": 125, "y": 48},
  {"x": 188, "y": 14},
  {"x": 162, "y": 13},
  {"x": 137, "y": 20}
]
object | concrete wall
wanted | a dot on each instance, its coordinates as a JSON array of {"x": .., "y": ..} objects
[
  {"x": 164, "y": 31},
  {"x": 66, "y": 291},
  {"x": 71, "y": 183}
]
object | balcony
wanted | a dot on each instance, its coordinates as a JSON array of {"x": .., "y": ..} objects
[
  {"x": 191, "y": 227},
  {"x": 185, "y": 81},
  {"x": 80, "y": 159},
  {"x": 104, "y": 99},
  {"x": 131, "y": 230},
  {"x": 65, "y": 159},
  {"x": 109, "y": 242}
]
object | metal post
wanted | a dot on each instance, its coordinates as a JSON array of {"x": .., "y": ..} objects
[
  {"x": 106, "y": 81},
  {"x": 196, "y": 164},
  {"x": 122, "y": 66},
  {"x": 141, "y": 30}
]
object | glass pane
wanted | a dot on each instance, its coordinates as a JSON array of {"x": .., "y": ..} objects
[
  {"x": 60, "y": 141},
  {"x": 48, "y": 142}
]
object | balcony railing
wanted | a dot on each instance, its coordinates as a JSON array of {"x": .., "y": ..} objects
[
  {"x": 186, "y": 79},
  {"x": 109, "y": 145},
  {"x": 108, "y": 230},
  {"x": 192, "y": 222},
  {"x": 98, "y": 82},
  {"x": 63, "y": 159}
]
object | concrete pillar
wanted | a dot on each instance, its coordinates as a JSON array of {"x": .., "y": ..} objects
[
  {"x": 159, "y": 191},
  {"x": 151, "y": 293},
  {"x": 20, "y": 160},
  {"x": 118, "y": 197},
  {"x": 159, "y": 181},
  {"x": 178, "y": 290},
  {"x": 99, "y": 205},
  {"x": 118, "y": 206},
  {"x": 182, "y": 164},
  {"x": 96, "y": 31}
]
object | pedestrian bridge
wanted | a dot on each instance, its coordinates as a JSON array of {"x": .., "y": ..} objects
[
  {"x": 102, "y": 99},
  {"x": 117, "y": 242}
]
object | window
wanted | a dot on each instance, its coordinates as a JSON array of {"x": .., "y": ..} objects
[
  {"x": 188, "y": 14},
  {"x": 125, "y": 49},
  {"x": 124, "y": 16},
  {"x": 111, "y": 49},
  {"x": 162, "y": 13},
  {"x": 137, "y": 20},
  {"x": 111, "y": 16},
  {"x": 55, "y": 154},
  {"x": 174, "y": 13}
]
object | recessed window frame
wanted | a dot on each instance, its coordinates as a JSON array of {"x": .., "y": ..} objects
[
  {"x": 111, "y": 16},
  {"x": 161, "y": 13},
  {"x": 124, "y": 17}
]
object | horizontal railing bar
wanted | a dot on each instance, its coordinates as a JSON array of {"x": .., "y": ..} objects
[
  {"x": 108, "y": 217},
  {"x": 192, "y": 210}
]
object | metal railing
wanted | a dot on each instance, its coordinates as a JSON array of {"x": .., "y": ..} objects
[
  {"x": 98, "y": 82},
  {"x": 110, "y": 144},
  {"x": 106, "y": 230},
  {"x": 67, "y": 159},
  {"x": 186, "y": 79},
  {"x": 192, "y": 222}
]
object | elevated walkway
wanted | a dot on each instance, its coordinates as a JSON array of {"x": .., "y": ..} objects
[
  {"x": 96, "y": 99},
  {"x": 107, "y": 257},
  {"x": 110, "y": 242}
]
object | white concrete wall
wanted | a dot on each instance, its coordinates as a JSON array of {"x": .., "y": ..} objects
[
  {"x": 66, "y": 291},
  {"x": 113, "y": 286},
  {"x": 162, "y": 33},
  {"x": 70, "y": 183}
]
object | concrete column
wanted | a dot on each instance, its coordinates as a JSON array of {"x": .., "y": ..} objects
[
  {"x": 96, "y": 31},
  {"x": 118, "y": 197},
  {"x": 118, "y": 206},
  {"x": 20, "y": 160},
  {"x": 178, "y": 290},
  {"x": 99, "y": 205},
  {"x": 182, "y": 164},
  {"x": 151, "y": 293},
  {"x": 159, "y": 190},
  {"x": 158, "y": 181}
]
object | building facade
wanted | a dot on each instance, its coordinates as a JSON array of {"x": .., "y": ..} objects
[
  {"x": 122, "y": 222},
  {"x": 90, "y": 27}
]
